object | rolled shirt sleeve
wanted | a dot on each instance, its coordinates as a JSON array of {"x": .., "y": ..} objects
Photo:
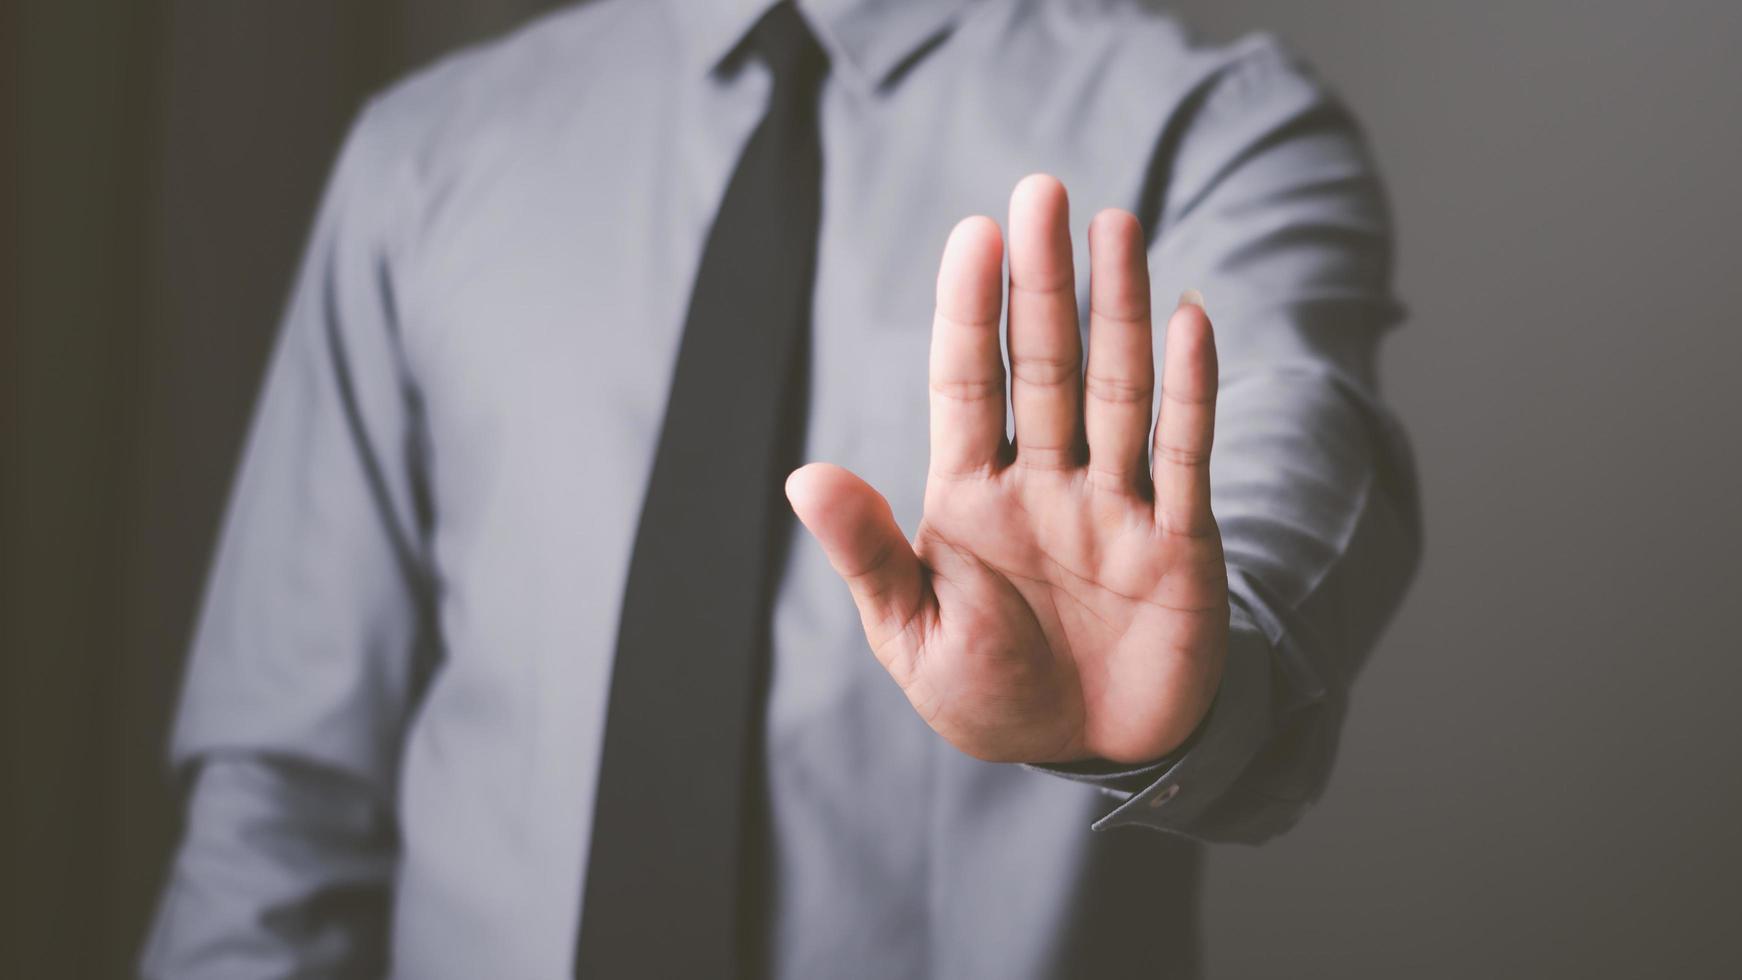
[
  {"x": 1273, "y": 209},
  {"x": 315, "y": 628}
]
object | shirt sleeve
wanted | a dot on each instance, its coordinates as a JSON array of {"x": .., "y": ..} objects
[
  {"x": 315, "y": 629},
  {"x": 1271, "y": 206}
]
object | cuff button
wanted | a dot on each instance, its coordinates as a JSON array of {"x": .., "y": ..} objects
[{"x": 1158, "y": 799}]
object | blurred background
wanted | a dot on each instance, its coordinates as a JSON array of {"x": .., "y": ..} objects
[{"x": 1542, "y": 770}]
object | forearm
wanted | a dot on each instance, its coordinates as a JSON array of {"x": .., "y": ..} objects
[
  {"x": 285, "y": 869},
  {"x": 1318, "y": 515},
  {"x": 1276, "y": 213}
]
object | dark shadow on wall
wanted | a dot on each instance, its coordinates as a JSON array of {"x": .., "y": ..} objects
[{"x": 163, "y": 161}]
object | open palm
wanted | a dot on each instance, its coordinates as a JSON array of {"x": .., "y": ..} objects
[{"x": 1065, "y": 596}]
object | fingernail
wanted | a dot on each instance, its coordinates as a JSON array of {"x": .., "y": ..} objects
[{"x": 1192, "y": 297}]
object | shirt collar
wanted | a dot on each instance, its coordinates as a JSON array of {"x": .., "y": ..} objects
[{"x": 866, "y": 39}]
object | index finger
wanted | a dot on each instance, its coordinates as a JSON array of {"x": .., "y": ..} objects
[{"x": 967, "y": 366}]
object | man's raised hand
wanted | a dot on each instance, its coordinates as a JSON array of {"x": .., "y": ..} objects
[{"x": 1065, "y": 596}]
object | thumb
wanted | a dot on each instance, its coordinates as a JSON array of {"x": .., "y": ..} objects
[{"x": 858, "y": 532}]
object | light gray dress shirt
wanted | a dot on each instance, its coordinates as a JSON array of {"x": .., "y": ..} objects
[{"x": 392, "y": 714}]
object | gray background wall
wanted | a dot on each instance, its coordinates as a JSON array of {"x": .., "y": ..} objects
[
  {"x": 1540, "y": 777},
  {"x": 1542, "y": 771}
]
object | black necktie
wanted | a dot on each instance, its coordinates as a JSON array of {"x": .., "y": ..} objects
[{"x": 664, "y": 879}]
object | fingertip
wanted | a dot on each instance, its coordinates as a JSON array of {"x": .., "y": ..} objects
[
  {"x": 1037, "y": 196},
  {"x": 1040, "y": 235},
  {"x": 1191, "y": 320},
  {"x": 1190, "y": 337},
  {"x": 975, "y": 224},
  {"x": 970, "y": 275},
  {"x": 806, "y": 487},
  {"x": 974, "y": 236},
  {"x": 815, "y": 487},
  {"x": 795, "y": 483},
  {"x": 1040, "y": 183},
  {"x": 1114, "y": 225},
  {"x": 814, "y": 492}
]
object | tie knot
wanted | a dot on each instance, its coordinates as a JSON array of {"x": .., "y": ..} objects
[{"x": 788, "y": 46}]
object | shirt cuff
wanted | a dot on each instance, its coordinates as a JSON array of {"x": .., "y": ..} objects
[{"x": 1174, "y": 792}]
